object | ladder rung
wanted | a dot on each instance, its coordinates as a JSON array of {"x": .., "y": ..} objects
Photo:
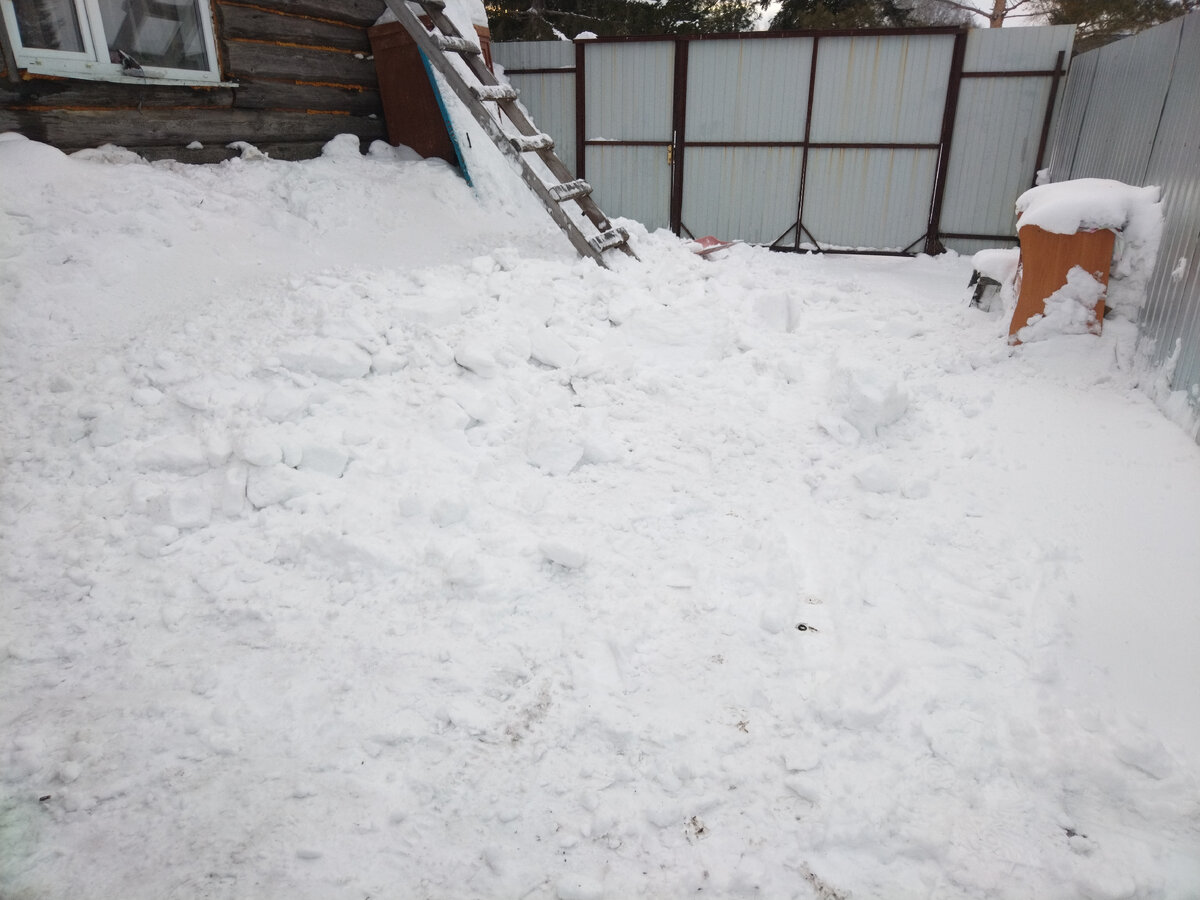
[
  {"x": 570, "y": 190},
  {"x": 455, "y": 45},
  {"x": 606, "y": 240},
  {"x": 494, "y": 91},
  {"x": 528, "y": 143}
]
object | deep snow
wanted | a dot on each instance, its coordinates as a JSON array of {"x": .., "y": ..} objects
[{"x": 360, "y": 541}]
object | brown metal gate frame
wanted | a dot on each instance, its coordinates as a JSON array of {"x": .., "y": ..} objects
[{"x": 676, "y": 148}]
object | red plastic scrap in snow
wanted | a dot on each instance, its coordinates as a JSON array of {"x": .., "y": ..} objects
[{"x": 708, "y": 245}]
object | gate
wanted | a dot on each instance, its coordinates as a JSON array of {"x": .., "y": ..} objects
[{"x": 893, "y": 141}]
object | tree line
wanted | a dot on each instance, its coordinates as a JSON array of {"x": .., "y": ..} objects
[{"x": 1097, "y": 21}]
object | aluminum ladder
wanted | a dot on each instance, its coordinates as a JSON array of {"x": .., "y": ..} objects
[{"x": 565, "y": 189}]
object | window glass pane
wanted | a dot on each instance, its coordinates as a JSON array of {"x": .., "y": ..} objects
[
  {"x": 49, "y": 25},
  {"x": 162, "y": 33}
]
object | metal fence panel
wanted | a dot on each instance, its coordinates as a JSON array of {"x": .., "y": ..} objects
[
  {"x": 999, "y": 111},
  {"x": 726, "y": 82},
  {"x": 1134, "y": 116},
  {"x": 629, "y": 90},
  {"x": 876, "y": 199},
  {"x": 548, "y": 96},
  {"x": 1068, "y": 122},
  {"x": 1172, "y": 316},
  {"x": 631, "y": 181},
  {"x": 741, "y": 140},
  {"x": 748, "y": 192},
  {"x": 1016, "y": 49},
  {"x": 881, "y": 89},
  {"x": 1130, "y": 76},
  {"x": 982, "y": 186},
  {"x": 550, "y": 101},
  {"x": 535, "y": 54},
  {"x": 971, "y": 246}
]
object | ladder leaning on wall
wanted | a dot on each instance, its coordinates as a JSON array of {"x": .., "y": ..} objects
[{"x": 564, "y": 189}]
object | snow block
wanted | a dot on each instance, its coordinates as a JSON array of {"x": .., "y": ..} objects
[
  {"x": 183, "y": 509},
  {"x": 270, "y": 486},
  {"x": 334, "y": 358},
  {"x": 326, "y": 460},
  {"x": 476, "y": 358},
  {"x": 259, "y": 449},
  {"x": 556, "y": 457},
  {"x": 877, "y": 477},
  {"x": 869, "y": 399},
  {"x": 549, "y": 349},
  {"x": 178, "y": 453},
  {"x": 563, "y": 554}
]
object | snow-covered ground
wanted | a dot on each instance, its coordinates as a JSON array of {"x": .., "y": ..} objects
[{"x": 357, "y": 540}]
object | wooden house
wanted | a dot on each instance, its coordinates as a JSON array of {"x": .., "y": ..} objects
[{"x": 156, "y": 76}]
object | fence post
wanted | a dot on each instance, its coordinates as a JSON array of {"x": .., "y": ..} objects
[
  {"x": 678, "y": 129},
  {"x": 933, "y": 241},
  {"x": 1041, "y": 154},
  {"x": 580, "y": 109},
  {"x": 812, "y": 92}
]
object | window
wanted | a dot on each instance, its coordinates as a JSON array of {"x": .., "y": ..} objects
[{"x": 114, "y": 40}]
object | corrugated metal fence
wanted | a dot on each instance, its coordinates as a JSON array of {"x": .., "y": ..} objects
[
  {"x": 1132, "y": 112},
  {"x": 894, "y": 141}
]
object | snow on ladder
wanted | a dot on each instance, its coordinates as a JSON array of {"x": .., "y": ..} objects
[
  {"x": 566, "y": 189},
  {"x": 570, "y": 190},
  {"x": 454, "y": 44},
  {"x": 531, "y": 143},
  {"x": 494, "y": 91}
]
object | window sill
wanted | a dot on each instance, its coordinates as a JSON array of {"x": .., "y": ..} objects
[{"x": 114, "y": 74}]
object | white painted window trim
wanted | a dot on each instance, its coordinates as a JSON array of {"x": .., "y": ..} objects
[{"x": 94, "y": 66}]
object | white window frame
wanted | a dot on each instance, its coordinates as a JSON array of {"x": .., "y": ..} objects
[{"x": 94, "y": 64}]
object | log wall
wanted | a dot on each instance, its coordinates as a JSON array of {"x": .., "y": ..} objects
[{"x": 303, "y": 71}]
